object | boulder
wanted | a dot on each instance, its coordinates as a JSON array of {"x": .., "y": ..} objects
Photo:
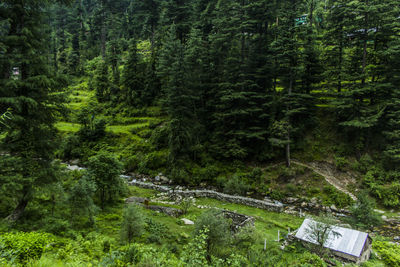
[
  {"x": 291, "y": 200},
  {"x": 136, "y": 200},
  {"x": 187, "y": 221}
]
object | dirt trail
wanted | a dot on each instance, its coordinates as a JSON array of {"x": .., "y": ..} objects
[{"x": 339, "y": 180}]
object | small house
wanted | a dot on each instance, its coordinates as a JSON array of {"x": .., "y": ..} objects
[{"x": 346, "y": 244}]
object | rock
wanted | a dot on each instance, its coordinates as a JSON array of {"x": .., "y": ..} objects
[
  {"x": 166, "y": 210},
  {"x": 327, "y": 209},
  {"x": 384, "y": 217},
  {"x": 164, "y": 179},
  {"x": 157, "y": 178},
  {"x": 396, "y": 238},
  {"x": 379, "y": 211},
  {"x": 74, "y": 168},
  {"x": 314, "y": 200},
  {"x": 74, "y": 162},
  {"x": 291, "y": 200},
  {"x": 187, "y": 221},
  {"x": 333, "y": 208},
  {"x": 303, "y": 204},
  {"x": 136, "y": 200}
]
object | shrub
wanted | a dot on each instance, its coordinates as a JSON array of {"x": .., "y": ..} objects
[
  {"x": 236, "y": 185},
  {"x": 153, "y": 161},
  {"x": 56, "y": 226},
  {"x": 312, "y": 260},
  {"x": 186, "y": 204},
  {"x": 340, "y": 162},
  {"x": 23, "y": 246},
  {"x": 105, "y": 169},
  {"x": 390, "y": 253},
  {"x": 132, "y": 223},
  {"x": 363, "y": 214},
  {"x": 245, "y": 238},
  {"x": 365, "y": 163},
  {"x": 334, "y": 196},
  {"x": 156, "y": 230},
  {"x": 218, "y": 229},
  {"x": 256, "y": 175},
  {"x": 206, "y": 174},
  {"x": 390, "y": 194}
]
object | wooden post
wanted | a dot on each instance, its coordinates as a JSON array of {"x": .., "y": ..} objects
[
  {"x": 278, "y": 235},
  {"x": 265, "y": 244}
]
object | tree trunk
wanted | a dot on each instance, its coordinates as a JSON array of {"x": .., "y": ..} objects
[
  {"x": 19, "y": 210},
  {"x": 364, "y": 58},
  {"x": 288, "y": 150},
  {"x": 339, "y": 88}
]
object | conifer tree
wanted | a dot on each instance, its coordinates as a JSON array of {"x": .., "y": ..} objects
[
  {"x": 361, "y": 107},
  {"x": 101, "y": 82},
  {"x": 392, "y": 79},
  {"x": 178, "y": 98},
  {"x": 239, "y": 105},
  {"x": 335, "y": 41},
  {"x": 30, "y": 139},
  {"x": 133, "y": 77}
]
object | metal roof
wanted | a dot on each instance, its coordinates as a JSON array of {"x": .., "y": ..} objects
[{"x": 349, "y": 241}]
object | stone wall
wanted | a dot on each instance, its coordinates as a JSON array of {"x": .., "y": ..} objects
[
  {"x": 261, "y": 204},
  {"x": 238, "y": 220}
]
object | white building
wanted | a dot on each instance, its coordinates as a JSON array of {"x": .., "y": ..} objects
[{"x": 345, "y": 243}]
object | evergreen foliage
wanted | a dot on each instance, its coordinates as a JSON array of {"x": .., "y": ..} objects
[
  {"x": 105, "y": 170},
  {"x": 132, "y": 223}
]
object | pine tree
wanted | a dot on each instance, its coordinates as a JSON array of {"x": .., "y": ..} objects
[
  {"x": 178, "y": 101},
  {"x": 238, "y": 116},
  {"x": 177, "y": 12},
  {"x": 143, "y": 19},
  {"x": 101, "y": 82},
  {"x": 335, "y": 41},
  {"x": 391, "y": 73},
  {"x": 286, "y": 48},
  {"x": 361, "y": 107},
  {"x": 30, "y": 138},
  {"x": 133, "y": 78}
]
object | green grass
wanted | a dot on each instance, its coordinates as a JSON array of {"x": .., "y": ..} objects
[
  {"x": 68, "y": 127},
  {"x": 116, "y": 129},
  {"x": 267, "y": 223},
  {"x": 126, "y": 129}
]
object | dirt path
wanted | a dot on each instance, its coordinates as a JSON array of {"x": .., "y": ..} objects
[{"x": 333, "y": 177}]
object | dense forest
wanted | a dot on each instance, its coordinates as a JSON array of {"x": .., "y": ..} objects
[{"x": 234, "y": 95}]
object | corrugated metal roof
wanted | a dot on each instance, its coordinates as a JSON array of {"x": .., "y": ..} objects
[{"x": 348, "y": 241}]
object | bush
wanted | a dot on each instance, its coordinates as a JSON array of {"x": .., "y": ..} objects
[
  {"x": 207, "y": 174},
  {"x": 153, "y": 161},
  {"x": 245, "y": 238},
  {"x": 105, "y": 169},
  {"x": 363, "y": 214},
  {"x": 334, "y": 196},
  {"x": 256, "y": 176},
  {"x": 156, "y": 230},
  {"x": 218, "y": 229},
  {"x": 23, "y": 246},
  {"x": 311, "y": 260},
  {"x": 389, "y": 194},
  {"x": 56, "y": 226},
  {"x": 340, "y": 162},
  {"x": 236, "y": 185},
  {"x": 133, "y": 223},
  {"x": 186, "y": 204},
  {"x": 365, "y": 163},
  {"x": 390, "y": 253}
]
